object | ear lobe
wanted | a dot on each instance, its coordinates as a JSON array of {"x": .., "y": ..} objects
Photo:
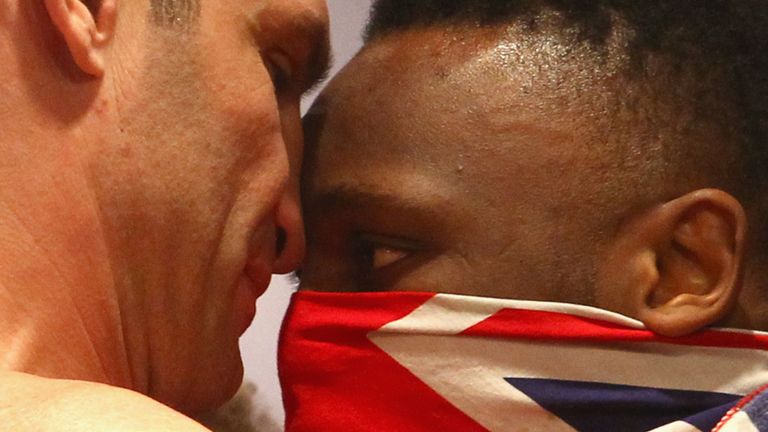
[
  {"x": 692, "y": 248},
  {"x": 85, "y": 31}
]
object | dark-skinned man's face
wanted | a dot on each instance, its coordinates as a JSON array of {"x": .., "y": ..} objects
[{"x": 458, "y": 165}]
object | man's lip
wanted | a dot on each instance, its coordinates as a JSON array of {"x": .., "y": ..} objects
[{"x": 253, "y": 282}]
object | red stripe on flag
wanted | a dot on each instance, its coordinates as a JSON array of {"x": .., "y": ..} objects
[
  {"x": 543, "y": 325},
  {"x": 335, "y": 379}
]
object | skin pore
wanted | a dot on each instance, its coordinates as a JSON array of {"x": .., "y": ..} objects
[
  {"x": 148, "y": 188},
  {"x": 507, "y": 163}
]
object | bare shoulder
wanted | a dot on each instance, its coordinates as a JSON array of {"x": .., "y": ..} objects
[{"x": 30, "y": 403}]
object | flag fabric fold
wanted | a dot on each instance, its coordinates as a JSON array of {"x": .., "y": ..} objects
[{"x": 438, "y": 362}]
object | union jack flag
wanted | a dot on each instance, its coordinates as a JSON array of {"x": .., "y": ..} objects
[{"x": 437, "y": 362}]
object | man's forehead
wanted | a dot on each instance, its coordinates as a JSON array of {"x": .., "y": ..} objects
[
  {"x": 490, "y": 63},
  {"x": 479, "y": 115},
  {"x": 486, "y": 88}
]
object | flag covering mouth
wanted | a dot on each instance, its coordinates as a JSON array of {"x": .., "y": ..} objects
[{"x": 448, "y": 363}]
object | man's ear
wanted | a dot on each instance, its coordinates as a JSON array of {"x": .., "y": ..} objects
[
  {"x": 677, "y": 267},
  {"x": 87, "y": 27}
]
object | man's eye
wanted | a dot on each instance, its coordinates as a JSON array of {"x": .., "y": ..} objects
[
  {"x": 376, "y": 252},
  {"x": 384, "y": 256},
  {"x": 279, "y": 67}
]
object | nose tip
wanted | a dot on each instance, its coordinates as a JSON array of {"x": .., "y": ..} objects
[{"x": 290, "y": 245}]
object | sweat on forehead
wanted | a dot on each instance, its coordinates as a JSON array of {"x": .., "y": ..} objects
[
  {"x": 720, "y": 44},
  {"x": 489, "y": 78}
]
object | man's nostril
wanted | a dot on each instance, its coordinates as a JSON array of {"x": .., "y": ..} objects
[{"x": 280, "y": 240}]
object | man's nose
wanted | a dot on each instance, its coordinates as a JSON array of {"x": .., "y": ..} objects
[{"x": 290, "y": 246}]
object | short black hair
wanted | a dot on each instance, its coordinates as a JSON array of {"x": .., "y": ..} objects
[
  {"x": 724, "y": 43},
  {"x": 175, "y": 13}
]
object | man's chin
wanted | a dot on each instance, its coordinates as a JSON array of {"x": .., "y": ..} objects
[{"x": 214, "y": 385}]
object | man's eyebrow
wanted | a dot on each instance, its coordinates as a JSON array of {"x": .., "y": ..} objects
[
  {"x": 320, "y": 63},
  {"x": 341, "y": 196}
]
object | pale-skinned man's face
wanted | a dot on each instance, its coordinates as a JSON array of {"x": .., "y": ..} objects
[{"x": 196, "y": 179}]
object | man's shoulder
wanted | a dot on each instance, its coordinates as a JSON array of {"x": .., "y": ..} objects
[{"x": 30, "y": 403}]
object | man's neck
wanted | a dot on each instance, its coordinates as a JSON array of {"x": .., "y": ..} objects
[{"x": 58, "y": 314}]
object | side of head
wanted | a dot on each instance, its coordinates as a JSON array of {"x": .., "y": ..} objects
[
  {"x": 171, "y": 129},
  {"x": 607, "y": 153}
]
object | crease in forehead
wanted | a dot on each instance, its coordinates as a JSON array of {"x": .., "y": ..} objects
[
  {"x": 544, "y": 71},
  {"x": 553, "y": 71},
  {"x": 481, "y": 112},
  {"x": 426, "y": 198},
  {"x": 551, "y": 61},
  {"x": 402, "y": 181}
]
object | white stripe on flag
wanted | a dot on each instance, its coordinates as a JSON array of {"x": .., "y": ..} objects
[
  {"x": 469, "y": 372},
  {"x": 678, "y": 426},
  {"x": 739, "y": 423},
  {"x": 456, "y": 313}
]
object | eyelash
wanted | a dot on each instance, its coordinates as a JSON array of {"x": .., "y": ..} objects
[{"x": 364, "y": 249}]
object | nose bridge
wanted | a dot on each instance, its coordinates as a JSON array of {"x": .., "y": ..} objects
[
  {"x": 291, "y": 242},
  {"x": 294, "y": 138}
]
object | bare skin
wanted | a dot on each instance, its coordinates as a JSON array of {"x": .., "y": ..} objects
[
  {"x": 147, "y": 195},
  {"x": 476, "y": 162}
]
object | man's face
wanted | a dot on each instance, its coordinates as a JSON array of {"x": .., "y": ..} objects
[
  {"x": 194, "y": 178},
  {"x": 455, "y": 164}
]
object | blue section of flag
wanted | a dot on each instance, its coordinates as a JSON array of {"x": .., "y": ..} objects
[
  {"x": 757, "y": 410},
  {"x": 598, "y": 407},
  {"x": 707, "y": 420}
]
